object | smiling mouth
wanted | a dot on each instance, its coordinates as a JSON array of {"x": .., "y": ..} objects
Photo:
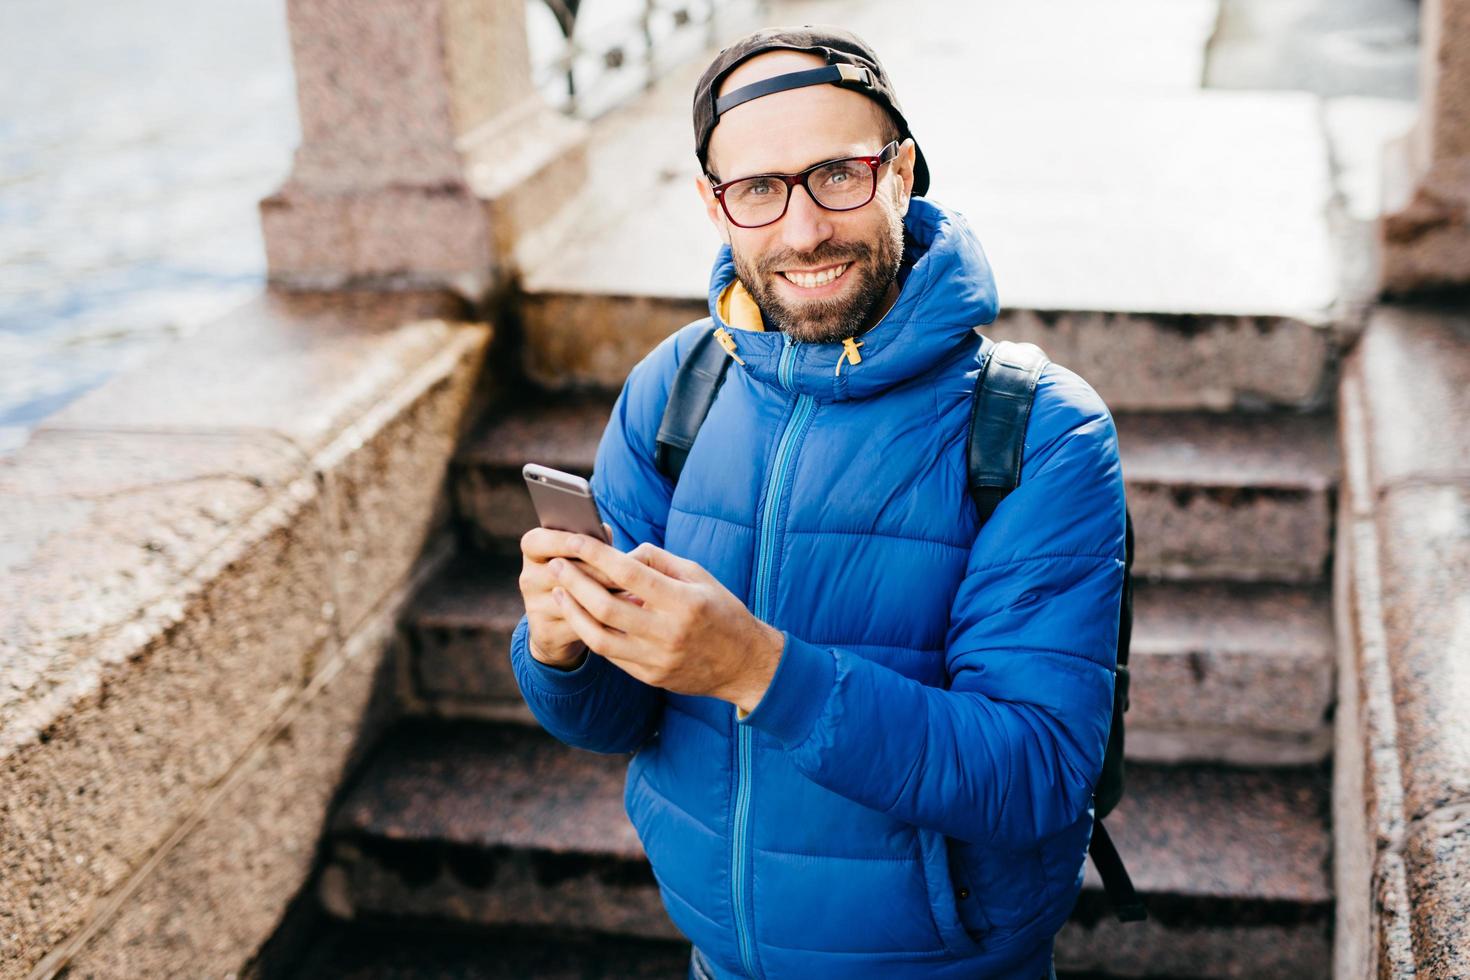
[{"x": 815, "y": 280}]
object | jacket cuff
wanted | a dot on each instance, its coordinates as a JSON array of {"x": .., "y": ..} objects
[
  {"x": 804, "y": 678},
  {"x": 554, "y": 680}
]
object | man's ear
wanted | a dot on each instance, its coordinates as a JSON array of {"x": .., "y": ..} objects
[
  {"x": 712, "y": 207},
  {"x": 903, "y": 165}
]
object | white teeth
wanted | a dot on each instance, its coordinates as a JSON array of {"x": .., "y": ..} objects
[{"x": 819, "y": 279}]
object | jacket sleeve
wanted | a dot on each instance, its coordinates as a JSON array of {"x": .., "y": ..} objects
[
  {"x": 598, "y": 706},
  {"x": 1009, "y": 752}
]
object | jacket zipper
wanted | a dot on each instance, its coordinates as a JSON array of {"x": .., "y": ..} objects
[{"x": 785, "y": 448}]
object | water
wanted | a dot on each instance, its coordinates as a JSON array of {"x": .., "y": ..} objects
[{"x": 136, "y": 137}]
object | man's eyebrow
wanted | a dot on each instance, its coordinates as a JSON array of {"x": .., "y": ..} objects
[{"x": 837, "y": 155}]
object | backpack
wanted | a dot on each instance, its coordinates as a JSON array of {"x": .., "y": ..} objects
[{"x": 999, "y": 411}]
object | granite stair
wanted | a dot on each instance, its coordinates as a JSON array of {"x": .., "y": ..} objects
[
  {"x": 1203, "y": 651},
  {"x": 1220, "y": 496},
  {"x": 499, "y": 825},
  {"x": 394, "y": 950}
]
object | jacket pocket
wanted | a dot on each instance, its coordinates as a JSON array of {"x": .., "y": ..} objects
[
  {"x": 967, "y": 894},
  {"x": 1003, "y": 890},
  {"x": 952, "y": 898}
]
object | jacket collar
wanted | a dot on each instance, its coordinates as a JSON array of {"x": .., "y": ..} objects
[{"x": 948, "y": 292}]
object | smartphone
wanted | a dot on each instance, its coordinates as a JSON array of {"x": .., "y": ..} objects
[{"x": 563, "y": 501}]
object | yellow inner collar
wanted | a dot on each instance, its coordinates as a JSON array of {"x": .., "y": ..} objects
[{"x": 737, "y": 308}]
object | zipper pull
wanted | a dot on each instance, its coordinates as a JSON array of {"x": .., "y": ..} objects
[
  {"x": 728, "y": 342},
  {"x": 849, "y": 353}
]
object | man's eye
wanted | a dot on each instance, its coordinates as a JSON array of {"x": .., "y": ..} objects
[
  {"x": 755, "y": 190},
  {"x": 840, "y": 174}
]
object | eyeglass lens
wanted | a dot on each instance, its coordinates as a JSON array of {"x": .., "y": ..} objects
[{"x": 841, "y": 185}]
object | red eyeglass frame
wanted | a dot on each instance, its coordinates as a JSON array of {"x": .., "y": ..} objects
[{"x": 875, "y": 162}]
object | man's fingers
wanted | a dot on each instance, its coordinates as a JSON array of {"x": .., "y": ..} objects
[
  {"x": 626, "y": 572},
  {"x": 608, "y": 609},
  {"x": 669, "y": 563},
  {"x": 537, "y": 575},
  {"x": 591, "y": 632},
  {"x": 542, "y": 544}
]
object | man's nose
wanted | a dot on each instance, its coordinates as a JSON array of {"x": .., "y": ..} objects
[{"x": 806, "y": 224}]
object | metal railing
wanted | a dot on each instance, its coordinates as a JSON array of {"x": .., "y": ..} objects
[{"x": 588, "y": 56}]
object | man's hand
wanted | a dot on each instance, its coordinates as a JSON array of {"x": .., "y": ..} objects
[
  {"x": 552, "y": 640},
  {"x": 689, "y": 634}
]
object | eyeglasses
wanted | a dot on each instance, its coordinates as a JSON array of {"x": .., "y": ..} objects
[{"x": 837, "y": 185}]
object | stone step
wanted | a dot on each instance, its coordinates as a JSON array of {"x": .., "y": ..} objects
[
  {"x": 1233, "y": 866},
  {"x": 395, "y": 950},
  {"x": 504, "y": 826},
  {"x": 1240, "y": 496},
  {"x": 491, "y": 824},
  {"x": 1244, "y": 497},
  {"x": 1230, "y": 672},
  {"x": 1222, "y": 672}
]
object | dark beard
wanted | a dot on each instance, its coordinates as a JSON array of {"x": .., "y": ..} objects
[{"x": 829, "y": 320}]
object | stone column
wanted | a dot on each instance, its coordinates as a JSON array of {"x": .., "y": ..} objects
[
  {"x": 426, "y": 152},
  {"x": 1425, "y": 228}
]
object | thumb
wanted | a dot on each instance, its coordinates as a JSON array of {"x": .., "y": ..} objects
[{"x": 669, "y": 563}]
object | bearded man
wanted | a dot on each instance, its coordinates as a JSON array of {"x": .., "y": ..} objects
[{"x": 865, "y": 728}]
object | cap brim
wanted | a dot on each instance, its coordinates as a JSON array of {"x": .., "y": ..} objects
[{"x": 921, "y": 171}]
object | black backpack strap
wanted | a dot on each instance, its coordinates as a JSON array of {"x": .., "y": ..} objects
[
  {"x": 1122, "y": 896},
  {"x": 999, "y": 412},
  {"x": 1109, "y": 789},
  {"x": 691, "y": 394}
]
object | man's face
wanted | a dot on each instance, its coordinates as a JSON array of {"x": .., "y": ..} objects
[{"x": 787, "y": 132}]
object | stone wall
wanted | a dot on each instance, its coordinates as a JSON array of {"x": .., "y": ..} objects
[
  {"x": 1401, "y": 803},
  {"x": 203, "y": 561}
]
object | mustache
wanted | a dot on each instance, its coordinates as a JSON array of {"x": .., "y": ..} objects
[{"x": 822, "y": 256}]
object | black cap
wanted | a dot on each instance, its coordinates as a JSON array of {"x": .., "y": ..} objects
[{"x": 851, "y": 64}]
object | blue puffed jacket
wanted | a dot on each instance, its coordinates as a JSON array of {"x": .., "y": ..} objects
[{"x": 912, "y": 795}]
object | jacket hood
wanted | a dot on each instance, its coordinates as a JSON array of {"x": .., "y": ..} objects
[{"x": 949, "y": 291}]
